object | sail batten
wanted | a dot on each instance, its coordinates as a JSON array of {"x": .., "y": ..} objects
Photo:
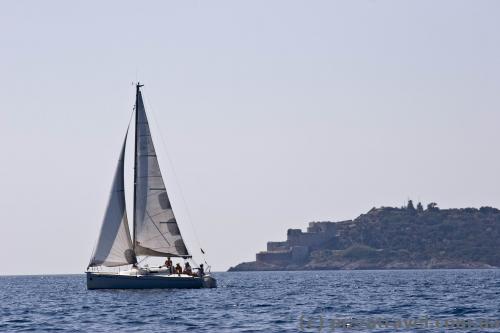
[
  {"x": 114, "y": 245},
  {"x": 156, "y": 232}
]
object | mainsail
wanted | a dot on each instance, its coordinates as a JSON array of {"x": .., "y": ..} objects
[
  {"x": 155, "y": 228},
  {"x": 114, "y": 246}
]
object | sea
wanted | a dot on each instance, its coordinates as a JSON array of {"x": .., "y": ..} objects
[{"x": 305, "y": 301}]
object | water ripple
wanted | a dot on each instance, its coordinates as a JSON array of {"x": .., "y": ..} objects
[{"x": 249, "y": 301}]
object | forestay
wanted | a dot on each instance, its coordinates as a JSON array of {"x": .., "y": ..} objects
[
  {"x": 114, "y": 245},
  {"x": 156, "y": 232}
]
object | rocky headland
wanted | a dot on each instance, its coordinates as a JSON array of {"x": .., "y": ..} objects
[{"x": 390, "y": 238}]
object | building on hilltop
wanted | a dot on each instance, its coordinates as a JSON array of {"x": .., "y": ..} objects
[{"x": 299, "y": 244}]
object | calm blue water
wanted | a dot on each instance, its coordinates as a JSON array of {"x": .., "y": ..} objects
[{"x": 258, "y": 301}]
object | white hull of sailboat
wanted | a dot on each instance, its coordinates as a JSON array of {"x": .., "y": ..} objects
[{"x": 149, "y": 281}]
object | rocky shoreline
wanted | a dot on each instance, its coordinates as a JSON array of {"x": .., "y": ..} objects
[{"x": 359, "y": 265}]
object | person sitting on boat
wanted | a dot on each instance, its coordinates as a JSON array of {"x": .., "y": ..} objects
[
  {"x": 187, "y": 269},
  {"x": 178, "y": 269},
  {"x": 168, "y": 264},
  {"x": 201, "y": 271}
]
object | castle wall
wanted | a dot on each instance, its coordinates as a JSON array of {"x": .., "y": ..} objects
[
  {"x": 327, "y": 227},
  {"x": 300, "y": 254},
  {"x": 298, "y": 245},
  {"x": 309, "y": 239},
  {"x": 278, "y": 246}
]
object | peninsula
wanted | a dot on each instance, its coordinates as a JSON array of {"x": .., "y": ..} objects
[{"x": 390, "y": 238}]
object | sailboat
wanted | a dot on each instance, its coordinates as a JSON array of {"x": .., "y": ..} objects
[{"x": 155, "y": 229}]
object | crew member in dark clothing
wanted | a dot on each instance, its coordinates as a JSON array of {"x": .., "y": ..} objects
[
  {"x": 201, "y": 271},
  {"x": 187, "y": 269},
  {"x": 178, "y": 269},
  {"x": 168, "y": 264}
]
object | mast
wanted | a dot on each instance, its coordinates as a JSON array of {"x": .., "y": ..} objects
[{"x": 138, "y": 87}]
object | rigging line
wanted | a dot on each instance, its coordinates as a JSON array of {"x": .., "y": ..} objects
[
  {"x": 145, "y": 257},
  {"x": 153, "y": 222},
  {"x": 188, "y": 212},
  {"x": 155, "y": 237}
]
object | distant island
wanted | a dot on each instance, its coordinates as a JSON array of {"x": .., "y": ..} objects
[{"x": 390, "y": 238}]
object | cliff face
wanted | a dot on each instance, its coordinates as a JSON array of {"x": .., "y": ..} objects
[{"x": 390, "y": 238}]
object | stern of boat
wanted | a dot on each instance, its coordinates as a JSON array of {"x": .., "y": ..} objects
[{"x": 209, "y": 282}]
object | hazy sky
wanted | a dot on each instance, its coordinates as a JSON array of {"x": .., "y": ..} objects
[{"x": 273, "y": 114}]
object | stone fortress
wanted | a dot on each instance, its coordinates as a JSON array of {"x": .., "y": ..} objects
[{"x": 299, "y": 244}]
